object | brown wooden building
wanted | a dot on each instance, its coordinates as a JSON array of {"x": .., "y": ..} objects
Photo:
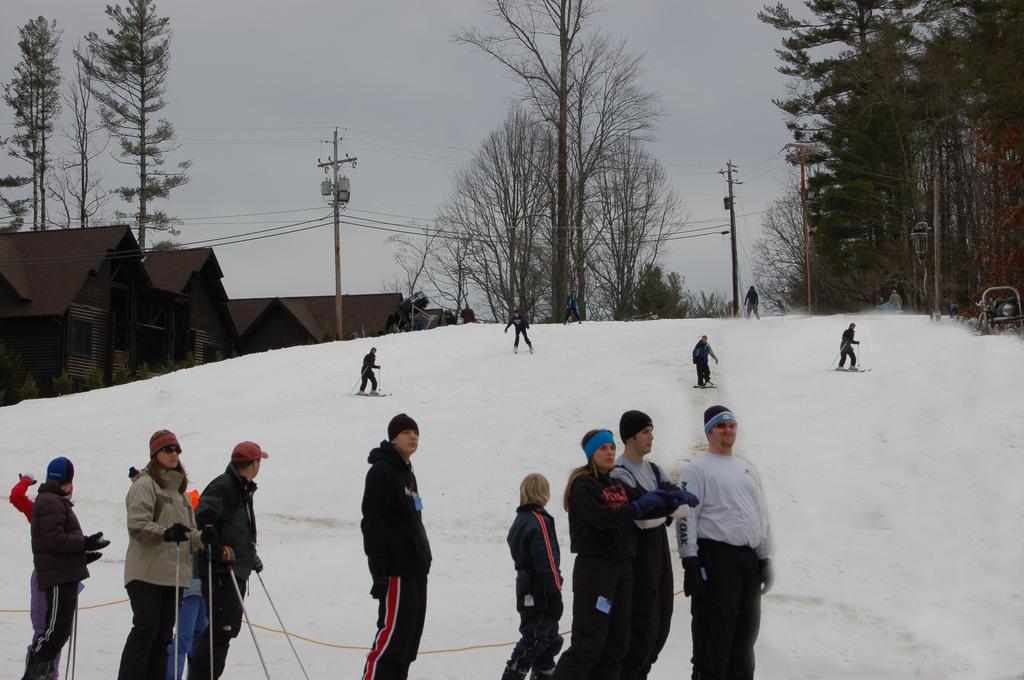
[
  {"x": 273, "y": 323},
  {"x": 74, "y": 300}
]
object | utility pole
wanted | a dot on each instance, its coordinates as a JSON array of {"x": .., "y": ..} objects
[
  {"x": 936, "y": 305},
  {"x": 730, "y": 205},
  {"x": 807, "y": 230},
  {"x": 339, "y": 194}
]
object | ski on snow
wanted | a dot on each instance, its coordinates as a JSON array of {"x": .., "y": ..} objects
[
  {"x": 852, "y": 370},
  {"x": 372, "y": 394}
]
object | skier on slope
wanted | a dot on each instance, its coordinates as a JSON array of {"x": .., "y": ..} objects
[
  {"x": 572, "y": 307},
  {"x": 846, "y": 347},
  {"x": 521, "y": 323},
  {"x": 369, "y": 363},
  {"x": 701, "y": 351},
  {"x": 750, "y": 303}
]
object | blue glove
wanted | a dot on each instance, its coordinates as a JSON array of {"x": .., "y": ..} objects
[
  {"x": 685, "y": 498},
  {"x": 652, "y": 504}
]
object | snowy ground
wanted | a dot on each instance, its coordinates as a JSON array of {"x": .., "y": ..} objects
[{"x": 895, "y": 495}]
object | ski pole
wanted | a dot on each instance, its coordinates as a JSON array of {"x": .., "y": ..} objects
[
  {"x": 283, "y": 629},
  {"x": 252, "y": 631},
  {"x": 177, "y": 605},
  {"x": 69, "y": 667},
  {"x": 841, "y": 350},
  {"x": 209, "y": 600}
]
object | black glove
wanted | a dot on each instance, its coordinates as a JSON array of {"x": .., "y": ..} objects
[
  {"x": 764, "y": 569},
  {"x": 694, "y": 581},
  {"x": 176, "y": 533},
  {"x": 555, "y": 606},
  {"x": 96, "y": 542},
  {"x": 380, "y": 587},
  {"x": 258, "y": 566},
  {"x": 91, "y": 557},
  {"x": 210, "y": 536},
  {"x": 133, "y": 472}
]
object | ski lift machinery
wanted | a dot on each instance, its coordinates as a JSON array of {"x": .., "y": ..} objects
[{"x": 1001, "y": 310}]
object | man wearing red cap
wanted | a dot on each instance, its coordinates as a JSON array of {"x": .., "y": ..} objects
[{"x": 226, "y": 517}]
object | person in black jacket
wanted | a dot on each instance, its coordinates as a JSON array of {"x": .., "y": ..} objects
[
  {"x": 369, "y": 363},
  {"x": 846, "y": 347},
  {"x": 397, "y": 550},
  {"x": 61, "y": 552},
  {"x": 228, "y": 522},
  {"x": 603, "y": 536},
  {"x": 534, "y": 547},
  {"x": 701, "y": 351},
  {"x": 521, "y": 323},
  {"x": 652, "y": 566}
]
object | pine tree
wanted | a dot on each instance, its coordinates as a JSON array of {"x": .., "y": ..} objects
[
  {"x": 34, "y": 96},
  {"x": 130, "y": 69}
]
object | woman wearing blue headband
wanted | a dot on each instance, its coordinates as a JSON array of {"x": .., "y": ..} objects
[{"x": 603, "y": 537}]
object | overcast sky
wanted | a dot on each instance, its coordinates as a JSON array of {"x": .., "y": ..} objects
[{"x": 256, "y": 88}]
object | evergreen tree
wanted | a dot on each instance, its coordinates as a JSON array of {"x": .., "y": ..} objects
[
  {"x": 130, "y": 69},
  {"x": 656, "y": 295},
  {"x": 34, "y": 96}
]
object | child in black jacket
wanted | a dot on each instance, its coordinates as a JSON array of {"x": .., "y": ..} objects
[
  {"x": 603, "y": 536},
  {"x": 534, "y": 547}
]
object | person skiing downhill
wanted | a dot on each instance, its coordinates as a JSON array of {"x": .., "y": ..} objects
[
  {"x": 701, "y": 351},
  {"x": 603, "y": 536},
  {"x": 521, "y": 323},
  {"x": 572, "y": 307},
  {"x": 846, "y": 347},
  {"x": 652, "y": 566},
  {"x": 369, "y": 363},
  {"x": 397, "y": 552},
  {"x": 534, "y": 546}
]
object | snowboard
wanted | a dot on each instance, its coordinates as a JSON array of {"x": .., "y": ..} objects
[
  {"x": 852, "y": 370},
  {"x": 372, "y": 394},
  {"x": 705, "y": 387}
]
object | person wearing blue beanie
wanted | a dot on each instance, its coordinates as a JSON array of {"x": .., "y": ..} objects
[{"x": 603, "y": 537}]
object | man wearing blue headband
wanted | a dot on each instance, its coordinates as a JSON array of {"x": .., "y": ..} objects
[{"x": 724, "y": 545}]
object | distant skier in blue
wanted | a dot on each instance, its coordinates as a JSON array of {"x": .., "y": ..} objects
[
  {"x": 701, "y": 351},
  {"x": 572, "y": 307},
  {"x": 521, "y": 323}
]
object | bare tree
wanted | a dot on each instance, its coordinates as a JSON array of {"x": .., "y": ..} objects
[
  {"x": 608, "y": 105},
  {"x": 537, "y": 42},
  {"x": 779, "y": 255},
  {"x": 498, "y": 203},
  {"x": 76, "y": 187},
  {"x": 448, "y": 267},
  {"x": 412, "y": 257},
  {"x": 639, "y": 211}
]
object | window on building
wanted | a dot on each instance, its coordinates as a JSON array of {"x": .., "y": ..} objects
[{"x": 81, "y": 338}]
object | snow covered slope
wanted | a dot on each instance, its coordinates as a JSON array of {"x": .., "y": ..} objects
[{"x": 895, "y": 495}]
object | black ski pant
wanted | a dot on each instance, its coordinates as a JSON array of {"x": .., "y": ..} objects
[
  {"x": 61, "y": 604},
  {"x": 727, "y": 617},
  {"x": 602, "y": 592},
  {"x": 703, "y": 372},
  {"x": 145, "y": 652},
  {"x": 525, "y": 337},
  {"x": 652, "y": 603},
  {"x": 224, "y": 627},
  {"x": 571, "y": 312},
  {"x": 540, "y": 640},
  {"x": 400, "y": 615},
  {"x": 368, "y": 375},
  {"x": 847, "y": 351}
]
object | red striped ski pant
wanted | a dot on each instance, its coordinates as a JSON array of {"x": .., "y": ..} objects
[{"x": 400, "y": 616}]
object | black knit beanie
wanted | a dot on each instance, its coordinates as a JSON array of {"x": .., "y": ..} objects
[
  {"x": 401, "y": 423},
  {"x": 632, "y": 422}
]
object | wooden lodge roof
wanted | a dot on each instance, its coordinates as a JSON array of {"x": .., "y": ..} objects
[{"x": 360, "y": 313}]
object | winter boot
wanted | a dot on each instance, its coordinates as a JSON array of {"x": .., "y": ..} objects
[
  {"x": 512, "y": 672},
  {"x": 515, "y": 350},
  {"x": 546, "y": 674},
  {"x": 531, "y": 348},
  {"x": 38, "y": 670}
]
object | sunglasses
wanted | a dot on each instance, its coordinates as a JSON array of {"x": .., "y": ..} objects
[{"x": 174, "y": 449}]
